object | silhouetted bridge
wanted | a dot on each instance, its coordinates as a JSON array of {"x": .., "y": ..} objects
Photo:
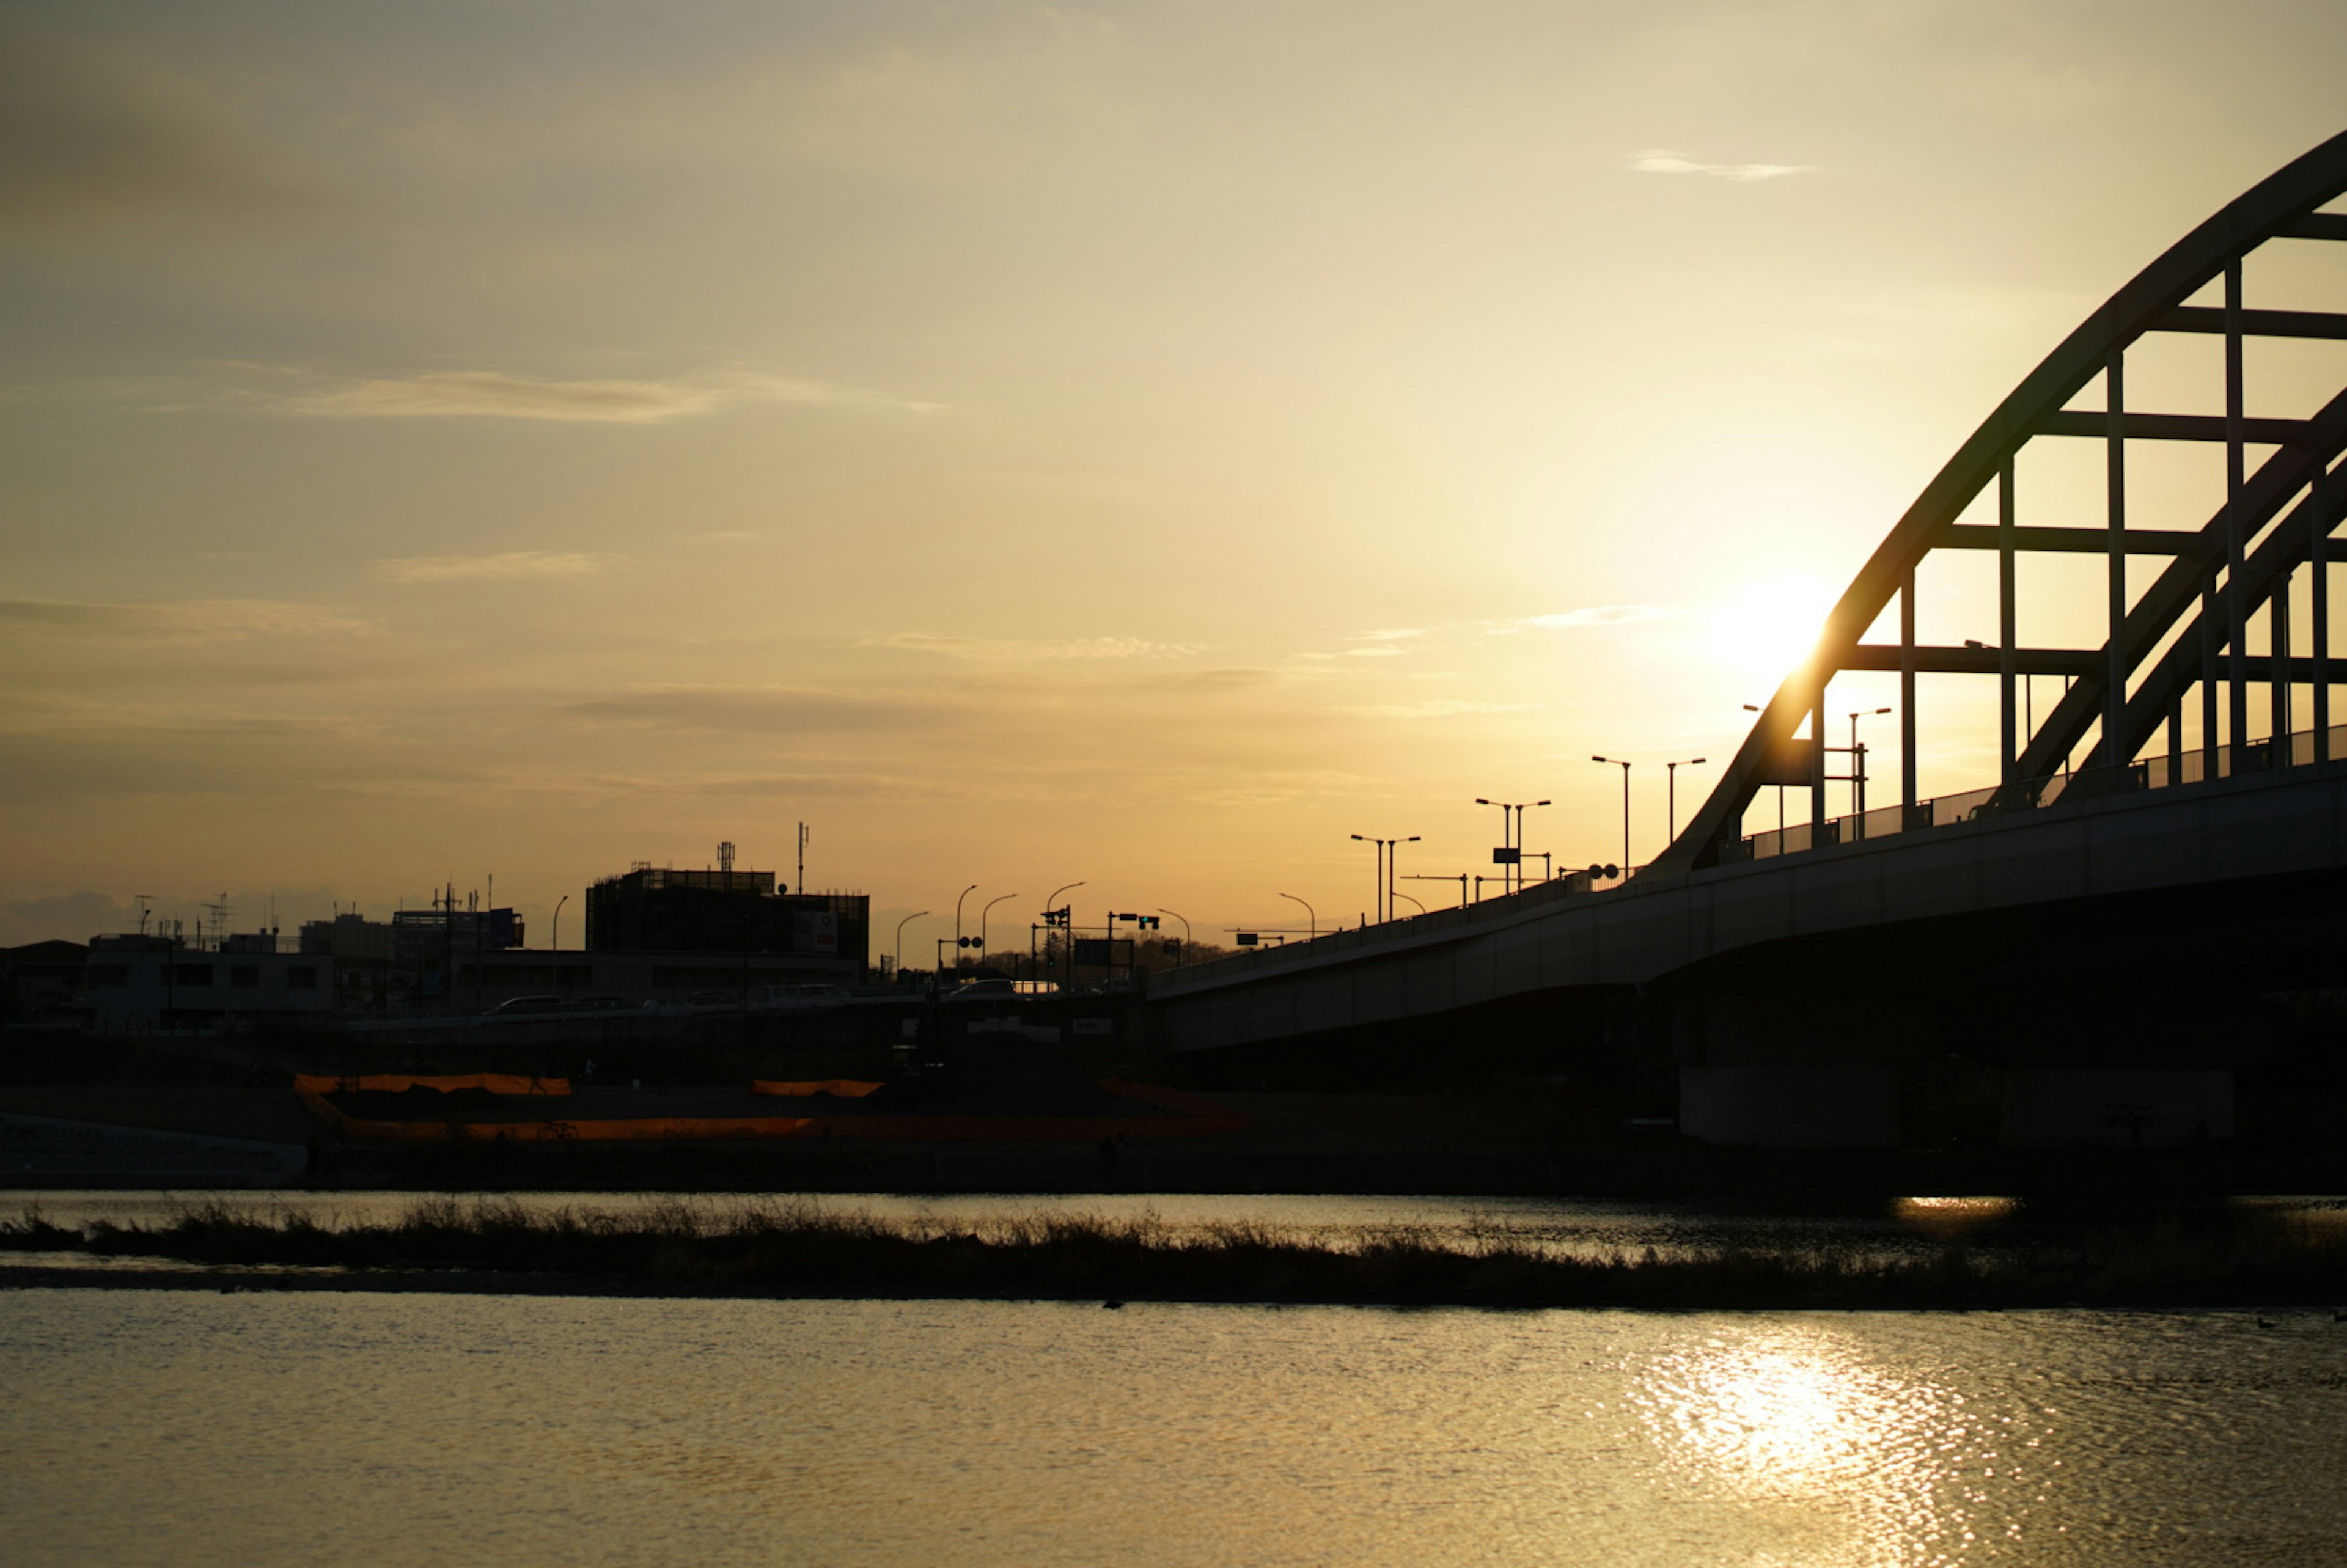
[{"x": 2120, "y": 851}]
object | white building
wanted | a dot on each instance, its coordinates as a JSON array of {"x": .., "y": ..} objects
[{"x": 142, "y": 985}]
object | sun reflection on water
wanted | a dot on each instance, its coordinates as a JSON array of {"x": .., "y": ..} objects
[{"x": 1865, "y": 1466}]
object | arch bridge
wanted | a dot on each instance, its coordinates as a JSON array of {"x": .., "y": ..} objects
[{"x": 2186, "y": 789}]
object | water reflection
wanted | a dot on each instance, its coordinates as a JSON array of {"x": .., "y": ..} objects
[
  {"x": 1951, "y": 1219},
  {"x": 318, "y": 1430},
  {"x": 1867, "y": 1465}
]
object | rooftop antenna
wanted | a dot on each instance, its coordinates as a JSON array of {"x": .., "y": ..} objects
[
  {"x": 144, "y": 900},
  {"x": 725, "y": 857},
  {"x": 221, "y": 912},
  {"x": 801, "y": 883}
]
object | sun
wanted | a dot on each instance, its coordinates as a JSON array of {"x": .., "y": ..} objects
[{"x": 1767, "y": 627}]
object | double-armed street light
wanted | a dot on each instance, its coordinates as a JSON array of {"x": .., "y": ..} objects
[
  {"x": 1511, "y": 852},
  {"x": 1310, "y": 914},
  {"x": 1389, "y": 849}
]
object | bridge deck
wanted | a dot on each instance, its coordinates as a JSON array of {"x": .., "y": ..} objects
[{"x": 1555, "y": 937}]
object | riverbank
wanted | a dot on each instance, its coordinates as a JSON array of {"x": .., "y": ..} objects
[{"x": 2220, "y": 1258}]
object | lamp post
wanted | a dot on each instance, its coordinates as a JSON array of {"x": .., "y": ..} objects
[
  {"x": 1673, "y": 769},
  {"x": 900, "y": 937},
  {"x": 1311, "y": 915},
  {"x": 1617, "y": 762},
  {"x": 1858, "y": 771},
  {"x": 1067, "y": 929},
  {"x": 982, "y": 914},
  {"x": 1186, "y": 932},
  {"x": 1399, "y": 894},
  {"x": 1385, "y": 849},
  {"x": 556, "y": 938},
  {"x": 965, "y": 893},
  {"x": 1512, "y": 840}
]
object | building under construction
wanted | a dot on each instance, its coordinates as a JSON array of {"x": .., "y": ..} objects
[{"x": 657, "y": 909}]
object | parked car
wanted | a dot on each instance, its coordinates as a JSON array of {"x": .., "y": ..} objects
[
  {"x": 805, "y": 995},
  {"x": 529, "y": 1004}
]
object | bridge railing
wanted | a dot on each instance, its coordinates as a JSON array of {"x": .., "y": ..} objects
[
  {"x": 2081, "y": 783},
  {"x": 1941, "y": 811}
]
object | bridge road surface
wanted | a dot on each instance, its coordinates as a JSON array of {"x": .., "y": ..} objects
[{"x": 1555, "y": 937}]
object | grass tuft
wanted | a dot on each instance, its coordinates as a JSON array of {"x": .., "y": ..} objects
[{"x": 785, "y": 1247}]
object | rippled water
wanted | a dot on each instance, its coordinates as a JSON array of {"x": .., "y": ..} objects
[{"x": 194, "y": 1427}]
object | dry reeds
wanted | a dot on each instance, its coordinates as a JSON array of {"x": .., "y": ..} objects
[{"x": 800, "y": 1248}]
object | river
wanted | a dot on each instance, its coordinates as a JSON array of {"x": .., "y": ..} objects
[{"x": 192, "y": 1427}]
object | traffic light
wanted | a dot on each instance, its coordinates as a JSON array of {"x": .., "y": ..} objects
[{"x": 969, "y": 941}]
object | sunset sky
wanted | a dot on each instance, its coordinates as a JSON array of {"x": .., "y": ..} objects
[{"x": 1143, "y": 444}]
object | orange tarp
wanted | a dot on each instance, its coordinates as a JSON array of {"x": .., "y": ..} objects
[
  {"x": 399, "y": 1082},
  {"x": 1204, "y": 1117}
]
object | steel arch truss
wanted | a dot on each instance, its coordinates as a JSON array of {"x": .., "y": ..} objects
[{"x": 2188, "y": 628}]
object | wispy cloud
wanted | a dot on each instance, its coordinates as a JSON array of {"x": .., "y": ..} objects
[
  {"x": 504, "y": 564},
  {"x": 1374, "y": 652},
  {"x": 772, "y": 707},
  {"x": 200, "y": 620},
  {"x": 1588, "y": 615},
  {"x": 1664, "y": 160},
  {"x": 1440, "y": 708},
  {"x": 1015, "y": 650},
  {"x": 493, "y": 395},
  {"x": 1395, "y": 634}
]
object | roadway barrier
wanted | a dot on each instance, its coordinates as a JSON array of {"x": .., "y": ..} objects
[
  {"x": 845, "y": 1087},
  {"x": 1201, "y": 1117}
]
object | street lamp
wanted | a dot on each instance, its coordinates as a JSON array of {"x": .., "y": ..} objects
[
  {"x": 1673, "y": 768},
  {"x": 1511, "y": 841},
  {"x": 1185, "y": 932},
  {"x": 1067, "y": 927},
  {"x": 1858, "y": 771},
  {"x": 1616, "y": 762},
  {"x": 900, "y": 937},
  {"x": 982, "y": 914},
  {"x": 1399, "y": 894},
  {"x": 965, "y": 893},
  {"x": 559, "y": 903},
  {"x": 1311, "y": 915}
]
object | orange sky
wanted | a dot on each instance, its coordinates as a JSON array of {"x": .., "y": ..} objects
[{"x": 1142, "y": 443}]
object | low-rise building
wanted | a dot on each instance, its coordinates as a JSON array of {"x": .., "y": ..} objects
[{"x": 146, "y": 984}]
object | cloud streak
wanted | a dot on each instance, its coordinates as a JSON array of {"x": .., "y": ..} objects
[
  {"x": 199, "y": 620},
  {"x": 1588, "y": 615},
  {"x": 1021, "y": 650},
  {"x": 506, "y": 564},
  {"x": 769, "y": 708},
  {"x": 1664, "y": 160},
  {"x": 493, "y": 394}
]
